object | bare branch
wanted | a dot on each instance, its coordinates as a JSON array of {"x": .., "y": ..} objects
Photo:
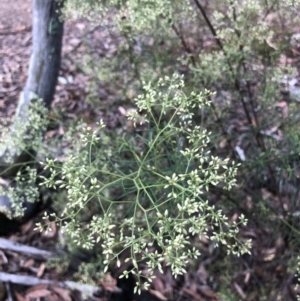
[
  {"x": 36, "y": 253},
  {"x": 30, "y": 281}
]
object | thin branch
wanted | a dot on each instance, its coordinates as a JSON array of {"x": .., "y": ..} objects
[
  {"x": 199, "y": 6},
  {"x": 185, "y": 45},
  {"x": 220, "y": 44}
]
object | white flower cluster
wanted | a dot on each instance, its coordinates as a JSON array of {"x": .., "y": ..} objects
[{"x": 148, "y": 189}]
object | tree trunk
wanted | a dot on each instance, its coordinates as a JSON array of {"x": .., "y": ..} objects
[
  {"x": 42, "y": 78},
  {"x": 45, "y": 59}
]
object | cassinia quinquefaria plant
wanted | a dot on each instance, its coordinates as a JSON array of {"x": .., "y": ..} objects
[{"x": 148, "y": 188}]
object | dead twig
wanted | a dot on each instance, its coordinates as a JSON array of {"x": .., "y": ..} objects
[
  {"x": 30, "y": 281},
  {"x": 36, "y": 253},
  {"x": 7, "y": 33}
]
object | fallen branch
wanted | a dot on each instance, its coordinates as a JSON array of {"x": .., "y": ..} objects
[
  {"x": 16, "y": 31},
  {"x": 36, "y": 253},
  {"x": 30, "y": 281}
]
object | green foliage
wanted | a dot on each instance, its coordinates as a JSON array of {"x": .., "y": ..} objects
[
  {"x": 60, "y": 263},
  {"x": 142, "y": 14},
  {"x": 149, "y": 188},
  {"x": 92, "y": 271},
  {"x": 24, "y": 135},
  {"x": 22, "y": 191}
]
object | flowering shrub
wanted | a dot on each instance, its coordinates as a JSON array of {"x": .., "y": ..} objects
[{"x": 147, "y": 188}]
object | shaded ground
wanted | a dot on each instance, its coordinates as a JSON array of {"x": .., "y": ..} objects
[{"x": 15, "y": 49}]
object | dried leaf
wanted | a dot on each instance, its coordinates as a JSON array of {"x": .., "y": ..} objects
[
  {"x": 27, "y": 227},
  {"x": 122, "y": 111},
  {"x": 239, "y": 290},
  {"x": 63, "y": 293},
  {"x": 206, "y": 291},
  {"x": 36, "y": 287},
  {"x": 38, "y": 294},
  {"x": 28, "y": 263},
  {"x": 19, "y": 297},
  {"x": 158, "y": 294},
  {"x": 269, "y": 254},
  {"x": 194, "y": 295},
  {"x": 41, "y": 270}
]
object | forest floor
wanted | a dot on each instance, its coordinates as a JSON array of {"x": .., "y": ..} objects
[{"x": 15, "y": 50}]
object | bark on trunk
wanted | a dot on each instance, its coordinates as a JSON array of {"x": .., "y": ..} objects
[{"x": 45, "y": 59}]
